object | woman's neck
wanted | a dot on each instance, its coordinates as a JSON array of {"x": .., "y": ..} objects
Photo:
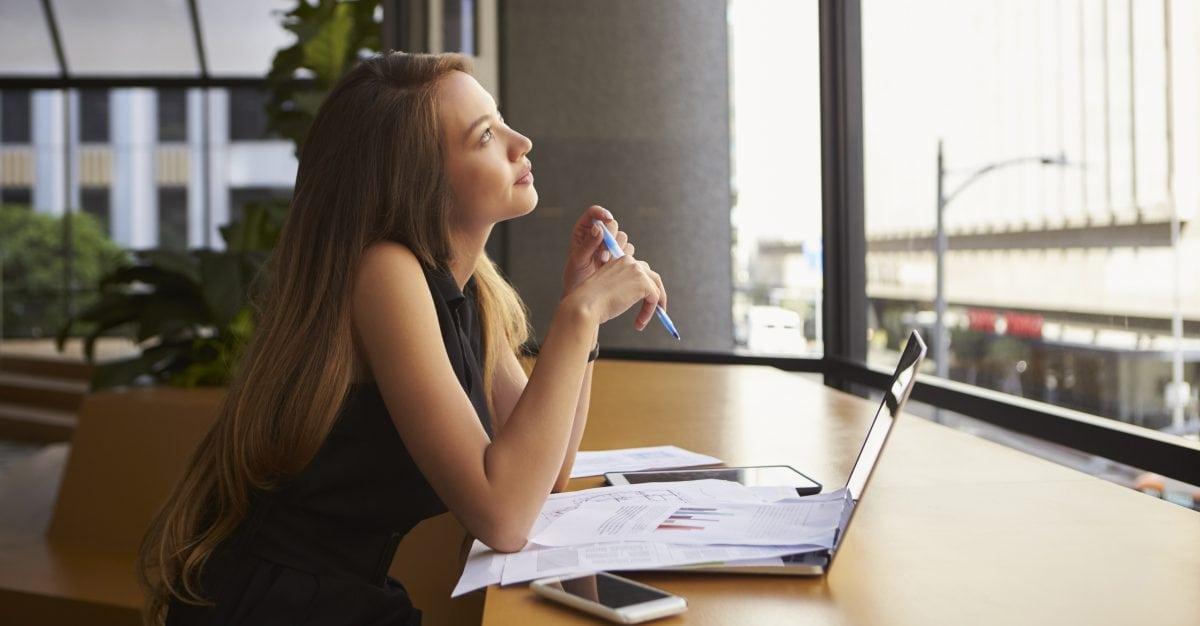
[{"x": 466, "y": 246}]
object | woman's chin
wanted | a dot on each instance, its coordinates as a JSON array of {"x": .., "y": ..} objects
[{"x": 531, "y": 203}]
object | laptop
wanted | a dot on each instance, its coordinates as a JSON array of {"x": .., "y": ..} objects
[{"x": 818, "y": 563}]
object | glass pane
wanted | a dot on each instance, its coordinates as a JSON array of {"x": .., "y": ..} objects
[
  {"x": 123, "y": 37},
  {"x": 172, "y": 115},
  {"x": 25, "y": 45},
  {"x": 458, "y": 26},
  {"x": 247, "y": 113},
  {"x": 1059, "y": 143},
  {"x": 776, "y": 176},
  {"x": 242, "y": 36},
  {"x": 95, "y": 202},
  {"x": 93, "y": 115},
  {"x": 172, "y": 218},
  {"x": 16, "y": 121}
]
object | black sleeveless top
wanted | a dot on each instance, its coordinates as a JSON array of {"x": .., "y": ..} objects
[{"x": 317, "y": 551}]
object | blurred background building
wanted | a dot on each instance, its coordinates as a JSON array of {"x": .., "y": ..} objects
[
  {"x": 136, "y": 156},
  {"x": 1073, "y": 284}
]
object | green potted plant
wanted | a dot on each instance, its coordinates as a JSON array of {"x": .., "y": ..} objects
[
  {"x": 192, "y": 308},
  {"x": 190, "y": 311}
]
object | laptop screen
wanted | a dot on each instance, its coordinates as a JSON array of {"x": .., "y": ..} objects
[{"x": 894, "y": 398}]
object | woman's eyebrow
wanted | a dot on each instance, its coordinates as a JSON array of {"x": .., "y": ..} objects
[
  {"x": 471, "y": 129},
  {"x": 482, "y": 118}
]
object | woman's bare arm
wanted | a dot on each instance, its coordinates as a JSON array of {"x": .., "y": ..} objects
[
  {"x": 506, "y": 390},
  {"x": 496, "y": 488}
]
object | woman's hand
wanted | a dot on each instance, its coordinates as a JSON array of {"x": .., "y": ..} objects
[
  {"x": 587, "y": 252},
  {"x": 618, "y": 285}
]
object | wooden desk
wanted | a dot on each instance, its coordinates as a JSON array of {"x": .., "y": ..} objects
[{"x": 953, "y": 529}]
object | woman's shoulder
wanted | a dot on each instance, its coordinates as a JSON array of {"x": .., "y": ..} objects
[
  {"x": 389, "y": 262},
  {"x": 390, "y": 253},
  {"x": 390, "y": 280}
]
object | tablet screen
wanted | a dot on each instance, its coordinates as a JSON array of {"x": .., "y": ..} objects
[{"x": 772, "y": 475}]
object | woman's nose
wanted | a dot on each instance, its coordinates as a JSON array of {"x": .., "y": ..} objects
[{"x": 522, "y": 146}]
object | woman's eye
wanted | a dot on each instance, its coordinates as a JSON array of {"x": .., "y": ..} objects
[{"x": 487, "y": 134}]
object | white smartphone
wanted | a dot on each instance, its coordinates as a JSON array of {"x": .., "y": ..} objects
[{"x": 614, "y": 598}]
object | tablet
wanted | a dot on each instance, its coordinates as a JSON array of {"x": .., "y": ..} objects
[{"x": 765, "y": 475}]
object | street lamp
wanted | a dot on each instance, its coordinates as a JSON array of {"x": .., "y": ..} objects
[{"x": 941, "y": 341}]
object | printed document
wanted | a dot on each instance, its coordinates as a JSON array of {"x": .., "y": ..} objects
[
  {"x": 484, "y": 566},
  {"x": 597, "y": 462},
  {"x": 540, "y": 561},
  {"x": 646, "y": 493},
  {"x": 793, "y": 522}
]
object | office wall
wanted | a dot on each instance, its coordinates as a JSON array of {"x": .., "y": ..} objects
[{"x": 627, "y": 104}]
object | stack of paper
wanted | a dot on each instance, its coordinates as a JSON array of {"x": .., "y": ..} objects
[
  {"x": 597, "y": 462},
  {"x": 655, "y": 525}
]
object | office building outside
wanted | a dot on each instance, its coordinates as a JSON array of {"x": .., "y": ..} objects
[
  {"x": 137, "y": 156},
  {"x": 1072, "y": 132}
]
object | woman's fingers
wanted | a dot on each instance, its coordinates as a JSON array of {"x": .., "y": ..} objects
[
  {"x": 662, "y": 289},
  {"x": 594, "y": 212},
  {"x": 585, "y": 232},
  {"x": 602, "y": 254},
  {"x": 649, "y": 303}
]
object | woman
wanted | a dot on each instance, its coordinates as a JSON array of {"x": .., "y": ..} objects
[{"x": 382, "y": 386}]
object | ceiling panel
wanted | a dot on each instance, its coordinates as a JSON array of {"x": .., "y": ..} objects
[
  {"x": 127, "y": 37},
  {"x": 242, "y": 36},
  {"x": 26, "y": 48}
]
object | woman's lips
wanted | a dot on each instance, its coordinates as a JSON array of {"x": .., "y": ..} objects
[{"x": 526, "y": 179}]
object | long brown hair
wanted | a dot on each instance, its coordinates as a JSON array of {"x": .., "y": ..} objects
[{"x": 370, "y": 170}]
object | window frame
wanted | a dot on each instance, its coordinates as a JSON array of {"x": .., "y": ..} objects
[{"x": 843, "y": 364}]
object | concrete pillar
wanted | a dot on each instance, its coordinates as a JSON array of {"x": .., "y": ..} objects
[
  {"x": 198, "y": 175},
  {"x": 76, "y": 198},
  {"x": 627, "y": 104},
  {"x": 218, "y": 174},
  {"x": 49, "y": 136},
  {"x": 133, "y": 120}
]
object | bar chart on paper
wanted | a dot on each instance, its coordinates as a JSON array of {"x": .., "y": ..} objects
[{"x": 694, "y": 518}]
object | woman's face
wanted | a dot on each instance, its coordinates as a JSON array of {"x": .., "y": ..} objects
[{"x": 484, "y": 158}]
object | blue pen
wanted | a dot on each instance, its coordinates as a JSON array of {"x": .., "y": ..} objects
[{"x": 617, "y": 253}]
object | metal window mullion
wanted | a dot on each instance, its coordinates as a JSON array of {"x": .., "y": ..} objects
[
  {"x": 1152, "y": 452},
  {"x": 844, "y": 243}
]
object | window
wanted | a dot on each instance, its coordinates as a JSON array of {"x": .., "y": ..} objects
[
  {"x": 16, "y": 195},
  {"x": 172, "y": 115},
  {"x": 95, "y": 202},
  {"x": 172, "y": 218},
  {"x": 1059, "y": 141},
  {"x": 458, "y": 26},
  {"x": 776, "y": 154},
  {"x": 247, "y": 114},
  {"x": 15, "y": 119},
  {"x": 93, "y": 116}
]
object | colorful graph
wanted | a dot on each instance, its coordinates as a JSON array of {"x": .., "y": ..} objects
[{"x": 692, "y": 518}]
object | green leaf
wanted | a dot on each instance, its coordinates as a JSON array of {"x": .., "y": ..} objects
[
  {"x": 259, "y": 229},
  {"x": 151, "y": 361},
  {"x": 329, "y": 37},
  {"x": 163, "y": 280},
  {"x": 166, "y": 316},
  {"x": 175, "y": 261},
  {"x": 223, "y": 285},
  {"x": 325, "y": 52}
]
